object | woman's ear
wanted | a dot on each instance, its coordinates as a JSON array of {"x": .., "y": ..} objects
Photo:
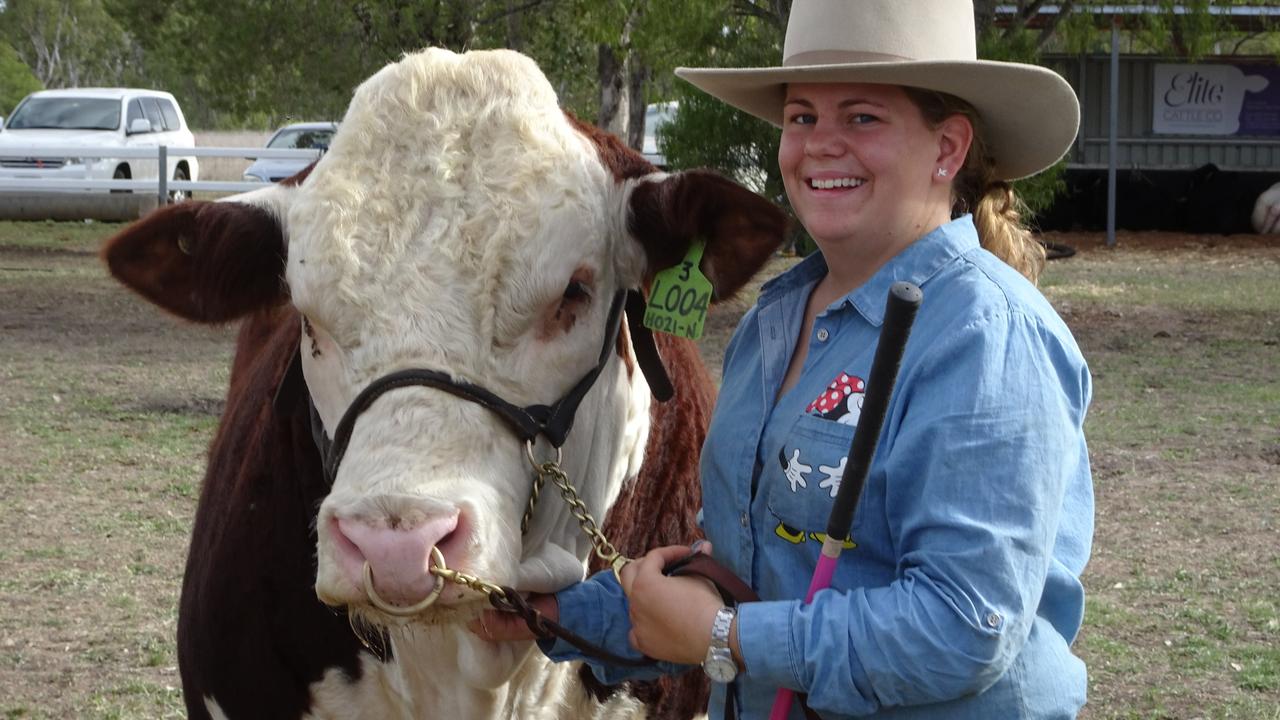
[{"x": 955, "y": 135}]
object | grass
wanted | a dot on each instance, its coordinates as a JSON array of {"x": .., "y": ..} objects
[{"x": 107, "y": 405}]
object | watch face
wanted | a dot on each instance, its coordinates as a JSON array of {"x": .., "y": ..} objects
[{"x": 720, "y": 669}]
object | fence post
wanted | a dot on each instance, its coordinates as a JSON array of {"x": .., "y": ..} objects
[{"x": 163, "y": 172}]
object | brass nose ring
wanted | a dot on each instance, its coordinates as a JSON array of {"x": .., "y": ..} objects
[{"x": 398, "y": 610}]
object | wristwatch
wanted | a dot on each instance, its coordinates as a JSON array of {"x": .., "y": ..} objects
[{"x": 719, "y": 664}]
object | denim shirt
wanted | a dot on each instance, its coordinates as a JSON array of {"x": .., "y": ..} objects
[{"x": 958, "y": 594}]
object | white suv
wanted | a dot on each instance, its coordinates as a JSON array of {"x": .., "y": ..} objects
[{"x": 97, "y": 118}]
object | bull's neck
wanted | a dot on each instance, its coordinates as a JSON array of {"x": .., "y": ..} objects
[{"x": 445, "y": 671}]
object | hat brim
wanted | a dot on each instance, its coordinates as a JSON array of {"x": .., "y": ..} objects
[{"x": 1031, "y": 114}]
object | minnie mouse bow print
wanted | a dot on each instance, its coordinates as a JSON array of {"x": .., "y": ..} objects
[{"x": 841, "y": 401}]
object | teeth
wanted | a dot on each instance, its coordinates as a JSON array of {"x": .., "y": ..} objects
[{"x": 832, "y": 183}]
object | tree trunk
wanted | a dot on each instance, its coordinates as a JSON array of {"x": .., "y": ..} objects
[
  {"x": 613, "y": 67},
  {"x": 613, "y": 99},
  {"x": 637, "y": 80}
]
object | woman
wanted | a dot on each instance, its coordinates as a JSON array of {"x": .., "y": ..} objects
[{"x": 958, "y": 594}]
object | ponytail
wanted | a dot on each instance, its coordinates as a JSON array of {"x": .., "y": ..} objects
[
  {"x": 998, "y": 217},
  {"x": 997, "y": 209}
]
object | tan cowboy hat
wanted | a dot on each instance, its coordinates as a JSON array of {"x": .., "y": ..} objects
[{"x": 1031, "y": 113}]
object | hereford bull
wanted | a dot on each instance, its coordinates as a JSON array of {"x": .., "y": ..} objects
[{"x": 465, "y": 233}]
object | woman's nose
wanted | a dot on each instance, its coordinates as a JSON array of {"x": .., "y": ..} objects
[{"x": 825, "y": 140}]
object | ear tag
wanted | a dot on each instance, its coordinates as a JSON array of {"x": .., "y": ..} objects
[{"x": 679, "y": 297}]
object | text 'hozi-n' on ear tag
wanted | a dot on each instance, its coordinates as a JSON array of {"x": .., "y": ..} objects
[{"x": 679, "y": 297}]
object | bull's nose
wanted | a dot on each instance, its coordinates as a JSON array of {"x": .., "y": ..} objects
[{"x": 398, "y": 553}]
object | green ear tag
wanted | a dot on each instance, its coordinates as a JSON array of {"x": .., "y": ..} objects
[{"x": 679, "y": 297}]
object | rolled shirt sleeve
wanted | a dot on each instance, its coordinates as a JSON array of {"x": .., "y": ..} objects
[{"x": 597, "y": 611}]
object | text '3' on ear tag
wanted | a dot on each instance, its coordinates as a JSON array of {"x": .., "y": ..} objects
[{"x": 679, "y": 297}]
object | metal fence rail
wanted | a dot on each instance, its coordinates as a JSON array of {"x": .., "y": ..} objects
[{"x": 161, "y": 185}]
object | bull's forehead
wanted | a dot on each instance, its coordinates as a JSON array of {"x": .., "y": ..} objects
[{"x": 454, "y": 180}]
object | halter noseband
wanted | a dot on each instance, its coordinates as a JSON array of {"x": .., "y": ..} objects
[{"x": 550, "y": 421}]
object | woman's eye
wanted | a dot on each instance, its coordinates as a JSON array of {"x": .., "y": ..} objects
[
  {"x": 863, "y": 119},
  {"x": 576, "y": 290},
  {"x": 803, "y": 119}
]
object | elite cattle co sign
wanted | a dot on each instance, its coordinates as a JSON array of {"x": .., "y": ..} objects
[{"x": 1216, "y": 99}]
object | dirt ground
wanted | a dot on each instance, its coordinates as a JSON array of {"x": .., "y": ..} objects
[{"x": 106, "y": 406}]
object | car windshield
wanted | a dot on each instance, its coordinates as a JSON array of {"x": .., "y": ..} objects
[
  {"x": 66, "y": 113},
  {"x": 302, "y": 139}
]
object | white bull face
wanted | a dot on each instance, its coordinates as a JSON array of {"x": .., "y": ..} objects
[{"x": 460, "y": 223}]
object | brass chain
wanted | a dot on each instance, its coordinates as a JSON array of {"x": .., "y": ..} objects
[
  {"x": 599, "y": 543},
  {"x": 471, "y": 581},
  {"x": 538, "y": 482}
]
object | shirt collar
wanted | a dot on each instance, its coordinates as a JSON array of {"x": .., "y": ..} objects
[{"x": 919, "y": 262}]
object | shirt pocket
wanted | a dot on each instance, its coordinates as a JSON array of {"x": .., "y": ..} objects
[{"x": 804, "y": 477}]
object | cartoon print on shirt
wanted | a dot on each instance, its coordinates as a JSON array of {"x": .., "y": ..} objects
[
  {"x": 795, "y": 537},
  {"x": 833, "y": 475},
  {"x": 794, "y": 469},
  {"x": 841, "y": 401}
]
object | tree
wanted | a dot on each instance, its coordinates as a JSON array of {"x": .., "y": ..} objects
[
  {"x": 16, "y": 79},
  {"x": 67, "y": 43}
]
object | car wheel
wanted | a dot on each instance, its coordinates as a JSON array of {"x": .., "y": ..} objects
[
  {"x": 121, "y": 173},
  {"x": 177, "y": 196}
]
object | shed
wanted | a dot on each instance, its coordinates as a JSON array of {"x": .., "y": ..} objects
[{"x": 1167, "y": 143}]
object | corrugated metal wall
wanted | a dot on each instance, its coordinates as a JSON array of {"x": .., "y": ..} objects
[{"x": 1139, "y": 147}]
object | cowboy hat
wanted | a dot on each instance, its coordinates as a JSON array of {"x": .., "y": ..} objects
[{"x": 1030, "y": 113}]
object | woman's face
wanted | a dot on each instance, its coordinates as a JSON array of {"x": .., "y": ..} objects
[{"x": 860, "y": 165}]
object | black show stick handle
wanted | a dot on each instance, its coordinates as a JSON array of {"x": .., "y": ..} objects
[{"x": 899, "y": 313}]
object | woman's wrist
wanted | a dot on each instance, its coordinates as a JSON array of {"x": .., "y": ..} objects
[{"x": 734, "y": 647}]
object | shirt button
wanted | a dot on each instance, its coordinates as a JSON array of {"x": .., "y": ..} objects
[
  {"x": 823, "y": 334},
  {"x": 993, "y": 620},
  {"x": 745, "y": 520}
]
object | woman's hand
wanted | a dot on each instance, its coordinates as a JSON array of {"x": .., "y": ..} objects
[
  {"x": 498, "y": 626},
  {"x": 670, "y": 616}
]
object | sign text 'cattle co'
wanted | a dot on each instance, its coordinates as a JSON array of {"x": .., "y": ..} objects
[{"x": 1216, "y": 99}]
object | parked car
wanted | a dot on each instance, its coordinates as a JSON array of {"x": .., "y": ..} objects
[
  {"x": 96, "y": 118},
  {"x": 297, "y": 136}
]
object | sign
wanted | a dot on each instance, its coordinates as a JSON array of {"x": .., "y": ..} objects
[{"x": 1216, "y": 99}]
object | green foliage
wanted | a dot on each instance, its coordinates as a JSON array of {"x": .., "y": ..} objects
[
  {"x": 1191, "y": 34},
  {"x": 1038, "y": 191},
  {"x": 67, "y": 43},
  {"x": 706, "y": 132},
  {"x": 16, "y": 79}
]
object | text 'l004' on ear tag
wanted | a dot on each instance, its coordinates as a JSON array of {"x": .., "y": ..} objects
[{"x": 679, "y": 297}]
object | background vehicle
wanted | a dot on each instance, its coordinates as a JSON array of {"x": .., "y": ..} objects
[
  {"x": 297, "y": 136},
  {"x": 96, "y": 118}
]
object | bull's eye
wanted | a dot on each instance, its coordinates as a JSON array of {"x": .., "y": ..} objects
[
  {"x": 561, "y": 315},
  {"x": 576, "y": 290}
]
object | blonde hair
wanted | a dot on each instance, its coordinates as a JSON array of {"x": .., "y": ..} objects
[{"x": 997, "y": 209}]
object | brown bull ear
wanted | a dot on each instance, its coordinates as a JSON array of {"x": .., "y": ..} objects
[
  {"x": 742, "y": 230},
  {"x": 204, "y": 261}
]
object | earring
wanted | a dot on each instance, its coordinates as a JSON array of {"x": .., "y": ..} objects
[{"x": 942, "y": 172}]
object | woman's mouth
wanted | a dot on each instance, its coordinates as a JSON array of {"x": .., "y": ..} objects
[{"x": 835, "y": 183}]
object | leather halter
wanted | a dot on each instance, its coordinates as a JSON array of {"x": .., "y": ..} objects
[{"x": 550, "y": 421}]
